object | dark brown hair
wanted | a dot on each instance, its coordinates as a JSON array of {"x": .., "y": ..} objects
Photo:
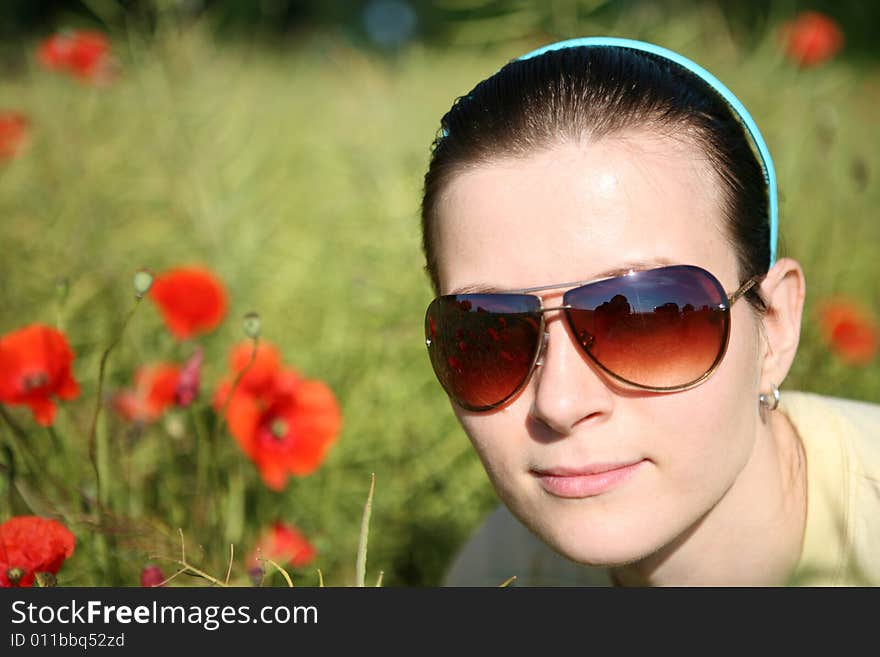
[{"x": 592, "y": 92}]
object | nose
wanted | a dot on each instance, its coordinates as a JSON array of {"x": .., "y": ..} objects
[{"x": 568, "y": 388}]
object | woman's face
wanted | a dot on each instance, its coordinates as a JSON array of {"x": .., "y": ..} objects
[{"x": 573, "y": 212}]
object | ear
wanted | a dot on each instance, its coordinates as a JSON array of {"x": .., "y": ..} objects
[{"x": 783, "y": 289}]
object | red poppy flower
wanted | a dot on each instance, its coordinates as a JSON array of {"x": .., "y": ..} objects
[
  {"x": 287, "y": 431},
  {"x": 155, "y": 389},
  {"x": 191, "y": 299},
  {"x": 83, "y": 54},
  {"x": 282, "y": 422},
  {"x": 30, "y": 545},
  {"x": 13, "y": 133},
  {"x": 849, "y": 331},
  {"x": 811, "y": 38},
  {"x": 35, "y": 365},
  {"x": 285, "y": 545},
  {"x": 152, "y": 576}
]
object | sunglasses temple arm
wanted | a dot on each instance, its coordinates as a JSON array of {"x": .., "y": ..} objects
[{"x": 745, "y": 287}]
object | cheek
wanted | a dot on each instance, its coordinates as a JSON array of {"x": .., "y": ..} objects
[
  {"x": 691, "y": 445},
  {"x": 707, "y": 434},
  {"x": 500, "y": 439}
]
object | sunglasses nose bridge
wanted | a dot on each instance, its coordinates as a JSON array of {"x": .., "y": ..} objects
[{"x": 563, "y": 307}]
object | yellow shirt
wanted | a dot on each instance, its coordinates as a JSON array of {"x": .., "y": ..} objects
[{"x": 841, "y": 439}]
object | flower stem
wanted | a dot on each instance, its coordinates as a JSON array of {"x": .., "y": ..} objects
[
  {"x": 21, "y": 444},
  {"x": 188, "y": 568},
  {"x": 203, "y": 457},
  {"x": 219, "y": 420},
  {"x": 234, "y": 516},
  {"x": 9, "y": 470},
  {"x": 59, "y": 444},
  {"x": 93, "y": 443},
  {"x": 282, "y": 571}
]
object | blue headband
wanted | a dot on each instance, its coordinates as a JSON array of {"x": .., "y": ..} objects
[{"x": 724, "y": 92}]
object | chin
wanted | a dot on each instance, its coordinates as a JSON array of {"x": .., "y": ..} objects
[
  {"x": 605, "y": 556},
  {"x": 597, "y": 539},
  {"x": 593, "y": 551}
]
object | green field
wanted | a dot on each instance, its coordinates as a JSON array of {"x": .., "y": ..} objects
[{"x": 295, "y": 175}]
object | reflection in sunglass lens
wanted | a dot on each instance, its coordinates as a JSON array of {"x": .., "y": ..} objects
[
  {"x": 482, "y": 346},
  {"x": 661, "y": 328}
]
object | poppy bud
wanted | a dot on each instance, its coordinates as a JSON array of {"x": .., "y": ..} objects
[
  {"x": 152, "y": 576},
  {"x": 251, "y": 325},
  {"x": 45, "y": 580},
  {"x": 143, "y": 281},
  {"x": 256, "y": 575},
  {"x": 174, "y": 425}
]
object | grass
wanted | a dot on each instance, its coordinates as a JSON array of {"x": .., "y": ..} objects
[{"x": 296, "y": 176}]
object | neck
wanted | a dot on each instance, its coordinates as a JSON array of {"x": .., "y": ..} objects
[{"x": 753, "y": 536}]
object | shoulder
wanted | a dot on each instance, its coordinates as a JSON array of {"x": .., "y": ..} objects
[
  {"x": 502, "y": 548},
  {"x": 841, "y": 439},
  {"x": 863, "y": 412},
  {"x": 855, "y": 424}
]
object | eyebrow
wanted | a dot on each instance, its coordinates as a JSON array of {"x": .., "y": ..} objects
[{"x": 485, "y": 288}]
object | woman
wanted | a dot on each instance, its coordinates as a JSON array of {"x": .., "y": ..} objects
[{"x": 612, "y": 327}]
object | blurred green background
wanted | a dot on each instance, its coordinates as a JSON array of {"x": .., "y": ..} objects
[{"x": 283, "y": 145}]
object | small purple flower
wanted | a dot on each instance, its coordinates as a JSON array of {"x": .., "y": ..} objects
[{"x": 190, "y": 376}]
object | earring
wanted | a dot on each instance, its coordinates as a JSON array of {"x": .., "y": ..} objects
[{"x": 766, "y": 401}]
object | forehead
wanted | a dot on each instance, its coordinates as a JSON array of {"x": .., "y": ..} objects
[{"x": 578, "y": 209}]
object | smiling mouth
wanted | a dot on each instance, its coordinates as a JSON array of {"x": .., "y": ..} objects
[{"x": 586, "y": 482}]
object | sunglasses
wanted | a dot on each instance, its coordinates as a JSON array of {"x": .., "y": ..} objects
[{"x": 663, "y": 329}]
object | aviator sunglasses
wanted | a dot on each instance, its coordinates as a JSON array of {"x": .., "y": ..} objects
[{"x": 663, "y": 329}]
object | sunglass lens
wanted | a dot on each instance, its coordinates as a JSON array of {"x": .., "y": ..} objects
[
  {"x": 659, "y": 328},
  {"x": 483, "y": 346}
]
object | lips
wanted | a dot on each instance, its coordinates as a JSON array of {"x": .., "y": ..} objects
[{"x": 587, "y": 481}]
